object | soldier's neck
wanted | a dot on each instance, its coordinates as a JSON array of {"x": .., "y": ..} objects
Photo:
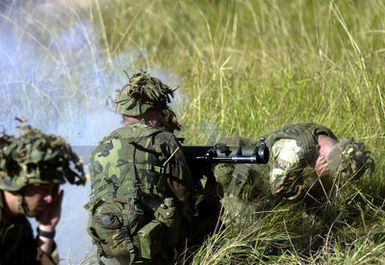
[{"x": 130, "y": 120}]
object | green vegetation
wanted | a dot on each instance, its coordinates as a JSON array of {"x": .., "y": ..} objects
[{"x": 248, "y": 67}]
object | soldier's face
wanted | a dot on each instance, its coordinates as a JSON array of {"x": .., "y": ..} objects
[{"x": 39, "y": 197}]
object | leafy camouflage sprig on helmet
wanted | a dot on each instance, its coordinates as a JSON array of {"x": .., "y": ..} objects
[
  {"x": 349, "y": 159},
  {"x": 38, "y": 158},
  {"x": 5, "y": 140},
  {"x": 142, "y": 93}
]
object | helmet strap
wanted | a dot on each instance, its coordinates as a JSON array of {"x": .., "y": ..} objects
[{"x": 21, "y": 205}]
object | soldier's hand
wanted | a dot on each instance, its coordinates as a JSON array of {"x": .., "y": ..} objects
[
  {"x": 49, "y": 218},
  {"x": 321, "y": 166}
]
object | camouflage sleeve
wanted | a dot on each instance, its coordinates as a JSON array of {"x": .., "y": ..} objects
[
  {"x": 19, "y": 246},
  {"x": 176, "y": 167},
  {"x": 286, "y": 154}
]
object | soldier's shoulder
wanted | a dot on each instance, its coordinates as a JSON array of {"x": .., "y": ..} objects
[
  {"x": 122, "y": 132},
  {"x": 311, "y": 126},
  {"x": 126, "y": 131},
  {"x": 165, "y": 136},
  {"x": 295, "y": 130},
  {"x": 131, "y": 131}
]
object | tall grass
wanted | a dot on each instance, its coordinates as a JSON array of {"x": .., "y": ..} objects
[
  {"x": 249, "y": 67},
  {"x": 257, "y": 65}
]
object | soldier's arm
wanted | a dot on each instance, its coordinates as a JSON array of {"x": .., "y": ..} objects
[
  {"x": 43, "y": 258},
  {"x": 48, "y": 220},
  {"x": 47, "y": 253},
  {"x": 286, "y": 155},
  {"x": 176, "y": 167}
]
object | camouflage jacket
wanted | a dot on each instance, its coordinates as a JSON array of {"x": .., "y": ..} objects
[
  {"x": 294, "y": 151},
  {"x": 133, "y": 171},
  {"x": 290, "y": 171},
  {"x": 165, "y": 156},
  {"x": 17, "y": 242}
]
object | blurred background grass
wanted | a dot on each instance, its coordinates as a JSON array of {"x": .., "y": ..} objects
[
  {"x": 249, "y": 67},
  {"x": 246, "y": 68}
]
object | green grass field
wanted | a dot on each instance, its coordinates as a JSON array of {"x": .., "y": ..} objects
[{"x": 248, "y": 67}]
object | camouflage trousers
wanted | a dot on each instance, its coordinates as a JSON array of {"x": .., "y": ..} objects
[{"x": 237, "y": 212}]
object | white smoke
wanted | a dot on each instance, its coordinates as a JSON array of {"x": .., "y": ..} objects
[
  {"x": 53, "y": 71},
  {"x": 58, "y": 80}
]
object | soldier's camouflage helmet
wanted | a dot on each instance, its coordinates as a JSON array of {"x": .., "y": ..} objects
[
  {"x": 144, "y": 92},
  {"x": 5, "y": 140},
  {"x": 349, "y": 159},
  {"x": 38, "y": 158}
]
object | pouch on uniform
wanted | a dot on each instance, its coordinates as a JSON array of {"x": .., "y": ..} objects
[
  {"x": 151, "y": 237},
  {"x": 168, "y": 215},
  {"x": 113, "y": 223}
]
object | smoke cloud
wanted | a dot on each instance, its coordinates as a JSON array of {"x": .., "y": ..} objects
[{"x": 53, "y": 71}]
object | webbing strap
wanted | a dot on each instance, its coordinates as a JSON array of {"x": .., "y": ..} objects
[
  {"x": 130, "y": 246},
  {"x": 137, "y": 183},
  {"x": 155, "y": 187},
  {"x": 143, "y": 149}
]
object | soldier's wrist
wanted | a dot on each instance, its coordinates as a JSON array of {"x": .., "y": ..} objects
[{"x": 46, "y": 233}]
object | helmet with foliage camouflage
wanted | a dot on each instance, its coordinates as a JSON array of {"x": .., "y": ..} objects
[
  {"x": 5, "y": 140},
  {"x": 144, "y": 92},
  {"x": 349, "y": 159},
  {"x": 38, "y": 158}
]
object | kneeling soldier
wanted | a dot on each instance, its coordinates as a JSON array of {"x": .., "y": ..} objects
[{"x": 32, "y": 167}]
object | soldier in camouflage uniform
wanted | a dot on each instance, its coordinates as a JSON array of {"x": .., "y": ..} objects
[
  {"x": 141, "y": 184},
  {"x": 306, "y": 162},
  {"x": 32, "y": 166}
]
